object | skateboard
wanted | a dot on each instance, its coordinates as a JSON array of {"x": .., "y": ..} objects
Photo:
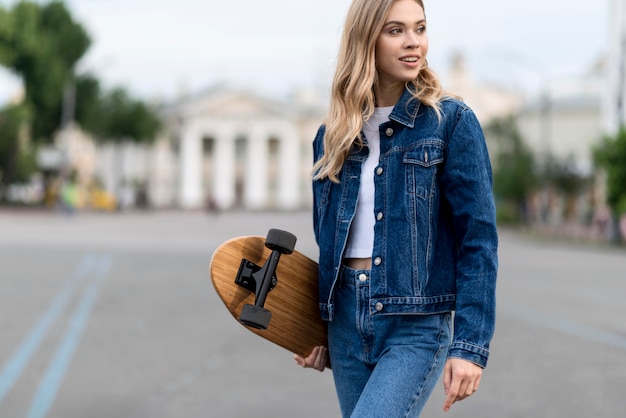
[{"x": 271, "y": 289}]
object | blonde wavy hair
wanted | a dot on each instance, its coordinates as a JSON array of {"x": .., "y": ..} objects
[{"x": 352, "y": 94}]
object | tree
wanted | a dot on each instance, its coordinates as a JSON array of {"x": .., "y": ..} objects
[
  {"x": 87, "y": 95},
  {"x": 16, "y": 159},
  {"x": 120, "y": 117},
  {"x": 610, "y": 155},
  {"x": 113, "y": 115},
  {"x": 44, "y": 44},
  {"x": 566, "y": 178},
  {"x": 6, "y": 28},
  {"x": 514, "y": 172}
]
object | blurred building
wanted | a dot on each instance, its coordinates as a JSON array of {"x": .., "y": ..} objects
[
  {"x": 615, "y": 89},
  {"x": 236, "y": 149},
  {"x": 560, "y": 123},
  {"x": 121, "y": 169},
  {"x": 565, "y": 120},
  {"x": 487, "y": 100}
]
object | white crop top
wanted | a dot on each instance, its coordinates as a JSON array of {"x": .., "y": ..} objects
[{"x": 361, "y": 236}]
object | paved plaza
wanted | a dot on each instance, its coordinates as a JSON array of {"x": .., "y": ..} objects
[{"x": 114, "y": 315}]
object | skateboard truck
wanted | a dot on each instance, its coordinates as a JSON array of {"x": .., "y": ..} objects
[{"x": 261, "y": 280}]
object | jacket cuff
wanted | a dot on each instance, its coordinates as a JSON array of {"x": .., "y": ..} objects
[{"x": 470, "y": 352}]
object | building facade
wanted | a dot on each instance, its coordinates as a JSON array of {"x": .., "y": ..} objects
[
  {"x": 565, "y": 121},
  {"x": 614, "y": 103},
  {"x": 235, "y": 149}
]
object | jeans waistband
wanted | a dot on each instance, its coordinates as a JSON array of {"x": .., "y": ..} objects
[{"x": 351, "y": 277}]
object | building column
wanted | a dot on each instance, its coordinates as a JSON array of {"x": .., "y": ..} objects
[
  {"x": 256, "y": 171},
  {"x": 224, "y": 172},
  {"x": 289, "y": 174},
  {"x": 190, "y": 194},
  {"x": 305, "y": 176},
  {"x": 615, "y": 92}
]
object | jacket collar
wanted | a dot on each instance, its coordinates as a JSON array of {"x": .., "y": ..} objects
[{"x": 405, "y": 111}]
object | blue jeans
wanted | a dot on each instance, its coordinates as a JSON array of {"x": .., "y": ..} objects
[{"x": 383, "y": 365}]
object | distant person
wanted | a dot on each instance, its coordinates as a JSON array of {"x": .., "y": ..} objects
[
  {"x": 69, "y": 194},
  {"x": 404, "y": 218}
]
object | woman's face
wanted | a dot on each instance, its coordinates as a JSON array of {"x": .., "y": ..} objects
[{"x": 402, "y": 45}]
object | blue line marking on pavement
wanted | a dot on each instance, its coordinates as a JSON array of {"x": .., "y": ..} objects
[
  {"x": 566, "y": 326},
  {"x": 15, "y": 365},
  {"x": 51, "y": 381}
]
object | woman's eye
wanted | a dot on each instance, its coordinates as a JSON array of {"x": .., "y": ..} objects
[
  {"x": 421, "y": 29},
  {"x": 395, "y": 31}
]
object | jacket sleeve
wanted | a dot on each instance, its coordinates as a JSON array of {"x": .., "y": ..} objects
[{"x": 466, "y": 182}]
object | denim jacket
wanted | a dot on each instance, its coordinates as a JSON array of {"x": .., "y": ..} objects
[{"x": 435, "y": 239}]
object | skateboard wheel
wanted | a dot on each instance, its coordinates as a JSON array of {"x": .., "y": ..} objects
[
  {"x": 255, "y": 317},
  {"x": 281, "y": 241}
]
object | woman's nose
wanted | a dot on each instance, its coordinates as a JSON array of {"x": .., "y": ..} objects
[{"x": 412, "y": 40}]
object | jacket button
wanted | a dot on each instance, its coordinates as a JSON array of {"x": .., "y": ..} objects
[
  {"x": 378, "y": 306},
  {"x": 389, "y": 131},
  {"x": 378, "y": 261},
  {"x": 362, "y": 277},
  {"x": 379, "y": 171},
  {"x": 379, "y": 216}
]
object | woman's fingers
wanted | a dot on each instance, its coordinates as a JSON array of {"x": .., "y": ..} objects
[{"x": 316, "y": 360}]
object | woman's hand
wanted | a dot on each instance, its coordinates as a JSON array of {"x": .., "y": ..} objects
[
  {"x": 460, "y": 379},
  {"x": 318, "y": 359}
]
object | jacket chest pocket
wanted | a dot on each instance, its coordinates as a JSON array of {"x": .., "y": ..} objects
[{"x": 420, "y": 165}]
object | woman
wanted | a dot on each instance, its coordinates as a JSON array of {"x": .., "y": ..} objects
[{"x": 405, "y": 222}]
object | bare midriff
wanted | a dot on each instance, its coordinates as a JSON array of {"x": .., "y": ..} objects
[{"x": 358, "y": 263}]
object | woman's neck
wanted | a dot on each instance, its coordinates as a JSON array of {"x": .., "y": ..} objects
[{"x": 388, "y": 95}]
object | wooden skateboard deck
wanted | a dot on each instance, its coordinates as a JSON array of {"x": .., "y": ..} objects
[{"x": 295, "y": 322}]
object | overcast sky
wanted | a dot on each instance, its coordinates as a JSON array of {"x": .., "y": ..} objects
[{"x": 157, "y": 47}]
